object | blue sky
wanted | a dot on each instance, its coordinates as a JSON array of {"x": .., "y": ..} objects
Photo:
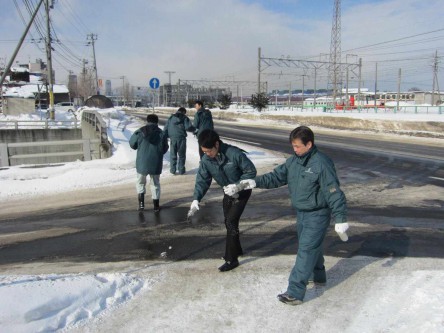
[{"x": 219, "y": 39}]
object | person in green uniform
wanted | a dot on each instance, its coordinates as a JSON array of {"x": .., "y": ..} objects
[
  {"x": 316, "y": 195},
  {"x": 226, "y": 164}
]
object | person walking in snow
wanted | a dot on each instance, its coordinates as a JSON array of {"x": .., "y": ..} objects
[
  {"x": 176, "y": 129},
  {"x": 151, "y": 144},
  {"x": 203, "y": 119},
  {"x": 316, "y": 195},
  {"x": 225, "y": 164}
]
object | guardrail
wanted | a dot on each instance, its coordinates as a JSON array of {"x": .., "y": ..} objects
[
  {"x": 94, "y": 127},
  {"x": 85, "y": 153},
  {"x": 46, "y": 124},
  {"x": 414, "y": 109}
]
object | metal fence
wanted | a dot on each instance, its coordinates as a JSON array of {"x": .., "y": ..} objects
[
  {"x": 410, "y": 109},
  {"x": 33, "y": 124}
]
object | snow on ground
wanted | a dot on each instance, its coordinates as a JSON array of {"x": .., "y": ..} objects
[
  {"x": 407, "y": 112},
  {"x": 52, "y": 302},
  {"x": 362, "y": 294}
]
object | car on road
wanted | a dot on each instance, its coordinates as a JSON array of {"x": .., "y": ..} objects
[{"x": 65, "y": 106}]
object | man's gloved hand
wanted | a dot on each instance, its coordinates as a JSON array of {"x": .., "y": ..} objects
[
  {"x": 341, "y": 230},
  {"x": 248, "y": 184},
  {"x": 232, "y": 189},
  {"x": 193, "y": 208}
]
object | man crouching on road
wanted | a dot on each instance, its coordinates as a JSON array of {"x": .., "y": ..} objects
[
  {"x": 315, "y": 194},
  {"x": 227, "y": 165}
]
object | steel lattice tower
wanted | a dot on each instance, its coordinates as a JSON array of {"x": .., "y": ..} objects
[{"x": 334, "y": 72}]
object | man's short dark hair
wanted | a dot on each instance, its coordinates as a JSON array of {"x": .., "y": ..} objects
[
  {"x": 152, "y": 118},
  {"x": 182, "y": 110},
  {"x": 200, "y": 103},
  {"x": 208, "y": 138},
  {"x": 303, "y": 133}
]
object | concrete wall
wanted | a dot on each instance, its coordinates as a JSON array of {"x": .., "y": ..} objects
[{"x": 42, "y": 135}]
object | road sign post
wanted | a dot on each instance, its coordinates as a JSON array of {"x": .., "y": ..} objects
[{"x": 154, "y": 84}]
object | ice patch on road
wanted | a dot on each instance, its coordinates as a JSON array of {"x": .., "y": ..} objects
[{"x": 55, "y": 302}]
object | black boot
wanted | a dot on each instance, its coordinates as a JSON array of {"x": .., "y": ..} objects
[
  {"x": 141, "y": 201},
  {"x": 156, "y": 205}
]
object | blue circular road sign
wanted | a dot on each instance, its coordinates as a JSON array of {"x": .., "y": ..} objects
[{"x": 154, "y": 83}]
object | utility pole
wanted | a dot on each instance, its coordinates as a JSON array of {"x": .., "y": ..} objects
[
  {"x": 399, "y": 90},
  {"x": 49, "y": 60},
  {"x": 289, "y": 96},
  {"x": 315, "y": 77},
  {"x": 123, "y": 89},
  {"x": 93, "y": 37},
  {"x": 359, "y": 83},
  {"x": 169, "y": 82},
  {"x": 303, "y": 88},
  {"x": 376, "y": 82},
  {"x": 259, "y": 71},
  {"x": 435, "y": 79}
]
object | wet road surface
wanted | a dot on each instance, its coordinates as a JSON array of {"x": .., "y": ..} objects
[
  {"x": 266, "y": 230},
  {"x": 115, "y": 231}
]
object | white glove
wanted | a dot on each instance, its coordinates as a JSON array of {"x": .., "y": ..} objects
[
  {"x": 248, "y": 184},
  {"x": 341, "y": 230},
  {"x": 193, "y": 208},
  {"x": 232, "y": 189}
]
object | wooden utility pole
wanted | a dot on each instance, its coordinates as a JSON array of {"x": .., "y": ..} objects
[
  {"x": 49, "y": 61},
  {"x": 93, "y": 38}
]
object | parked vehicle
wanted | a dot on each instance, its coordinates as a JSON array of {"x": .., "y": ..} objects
[{"x": 65, "y": 106}]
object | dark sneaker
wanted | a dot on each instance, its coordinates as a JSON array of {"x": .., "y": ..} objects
[
  {"x": 287, "y": 299},
  {"x": 228, "y": 266}
]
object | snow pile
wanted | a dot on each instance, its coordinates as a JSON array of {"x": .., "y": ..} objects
[{"x": 53, "y": 302}]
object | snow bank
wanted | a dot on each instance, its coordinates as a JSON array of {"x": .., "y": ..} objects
[{"x": 53, "y": 302}]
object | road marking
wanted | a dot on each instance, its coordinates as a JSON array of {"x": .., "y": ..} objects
[
  {"x": 243, "y": 141},
  {"x": 436, "y": 178}
]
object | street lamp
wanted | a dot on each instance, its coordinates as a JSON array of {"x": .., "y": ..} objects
[{"x": 123, "y": 89}]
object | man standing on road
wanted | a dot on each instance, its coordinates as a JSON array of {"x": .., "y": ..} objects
[
  {"x": 151, "y": 144},
  {"x": 176, "y": 129},
  {"x": 203, "y": 119},
  {"x": 315, "y": 194},
  {"x": 227, "y": 165}
]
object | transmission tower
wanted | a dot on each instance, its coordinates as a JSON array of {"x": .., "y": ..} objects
[
  {"x": 334, "y": 75},
  {"x": 435, "y": 80}
]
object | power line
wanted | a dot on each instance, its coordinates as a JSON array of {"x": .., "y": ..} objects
[{"x": 393, "y": 40}]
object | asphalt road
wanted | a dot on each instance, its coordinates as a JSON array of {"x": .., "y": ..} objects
[{"x": 91, "y": 233}]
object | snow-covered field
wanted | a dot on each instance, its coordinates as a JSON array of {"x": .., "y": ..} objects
[{"x": 363, "y": 294}]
